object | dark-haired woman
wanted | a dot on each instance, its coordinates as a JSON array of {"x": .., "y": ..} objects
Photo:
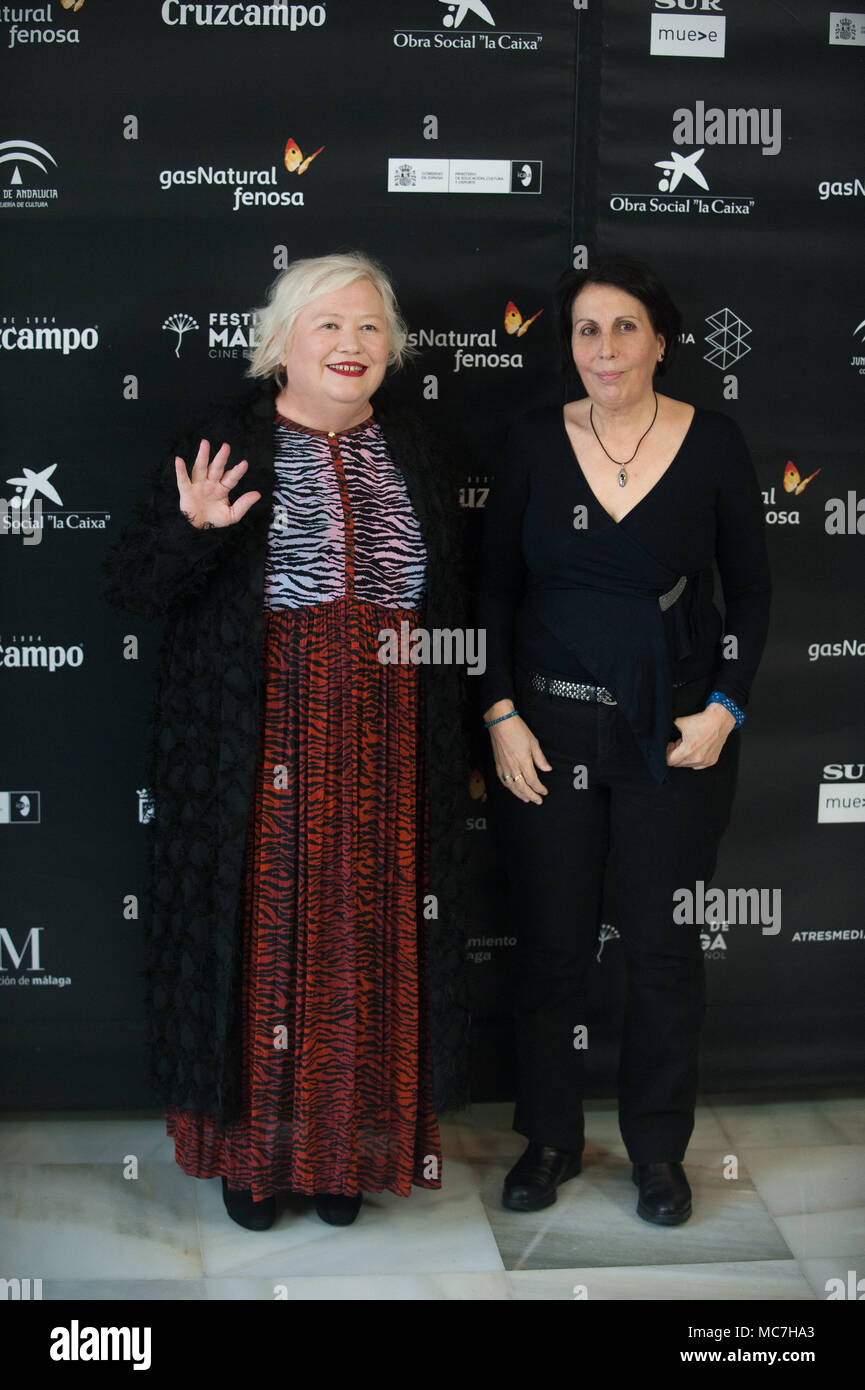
[{"x": 612, "y": 695}]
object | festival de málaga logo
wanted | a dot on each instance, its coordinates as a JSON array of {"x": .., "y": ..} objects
[
  {"x": 179, "y": 324},
  {"x": 231, "y": 333}
]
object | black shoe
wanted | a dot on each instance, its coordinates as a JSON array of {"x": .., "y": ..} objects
[
  {"x": 531, "y": 1184},
  {"x": 337, "y": 1209},
  {"x": 255, "y": 1216},
  {"x": 665, "y": 1196}
]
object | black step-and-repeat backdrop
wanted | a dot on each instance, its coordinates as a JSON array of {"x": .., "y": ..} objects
[{"x": 160, "y": 162}]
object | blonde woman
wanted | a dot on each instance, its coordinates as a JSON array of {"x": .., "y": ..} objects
[{"x": 297, "y": 847}]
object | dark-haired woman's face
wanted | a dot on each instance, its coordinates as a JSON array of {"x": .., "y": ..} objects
[{"x": 614, "y": 345}]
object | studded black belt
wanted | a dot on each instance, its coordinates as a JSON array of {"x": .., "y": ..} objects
[{"x": 574, "y": 690}]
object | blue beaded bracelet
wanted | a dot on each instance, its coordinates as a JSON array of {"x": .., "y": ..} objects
[
  {"x": 716, "y": 698},
  {"x": 500, "y": 718}
]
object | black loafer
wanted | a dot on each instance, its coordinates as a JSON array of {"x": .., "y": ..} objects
[
  {"x": 531, "y": 1184},
  {"x": 665, "y": 1196},
  {"x": 255, "y": 1216},
  {"x": 337, "y": 1209}
]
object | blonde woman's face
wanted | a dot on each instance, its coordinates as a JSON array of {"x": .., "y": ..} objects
[{"x": 339, "y": 349}]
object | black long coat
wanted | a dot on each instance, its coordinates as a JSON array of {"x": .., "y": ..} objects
[{"x": 208, "y": 588}]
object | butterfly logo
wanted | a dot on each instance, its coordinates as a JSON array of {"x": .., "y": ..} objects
[
  {"x": 477, "y": 786},
  {"x": 294, "y": 160},
  {"x": 792, "y": 481},
  {"x": 73, "y": 5},
  {"x": 514, "y": 322}
]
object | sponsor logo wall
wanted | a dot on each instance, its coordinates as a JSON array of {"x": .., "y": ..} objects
[{"x": 715, "y": 138}]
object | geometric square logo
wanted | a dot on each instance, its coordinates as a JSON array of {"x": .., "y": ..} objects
[{"x": 727, "y": 341}]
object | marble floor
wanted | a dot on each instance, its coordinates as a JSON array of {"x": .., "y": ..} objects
[{"x": 779, "y": 1209}]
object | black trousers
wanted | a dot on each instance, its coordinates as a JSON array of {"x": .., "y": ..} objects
[{"x": 660, "y": 837}]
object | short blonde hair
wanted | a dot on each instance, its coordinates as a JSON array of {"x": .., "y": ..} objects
[{"x": 298, "y": 286}]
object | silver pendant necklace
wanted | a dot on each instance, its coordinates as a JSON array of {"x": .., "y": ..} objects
[{"x": 623, "y": 477}]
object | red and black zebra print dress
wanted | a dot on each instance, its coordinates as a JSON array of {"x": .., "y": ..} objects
[{"x": 337, "y": 1090}]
